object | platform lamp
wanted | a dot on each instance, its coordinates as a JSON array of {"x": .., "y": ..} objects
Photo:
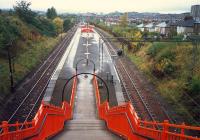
[{"x": 11, "y": 67}]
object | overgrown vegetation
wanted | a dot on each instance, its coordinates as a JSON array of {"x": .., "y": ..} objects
[
  {"x": 30, "y": 38},
  {"x": 174, "y": 68}
]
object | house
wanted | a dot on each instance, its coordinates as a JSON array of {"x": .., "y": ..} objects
[
  {"x": 185, "y": 26},
  {"x": 163, "y": 28},
  {"x": 141, "y": 27},
  {"x": 149, "y": 27},
  {"x": 111, "y": 21},
  {"x": 173, "y": 28}
]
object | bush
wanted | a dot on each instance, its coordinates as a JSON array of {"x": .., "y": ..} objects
[
  {"x": 194, "y": 86},
  {"x": 163, "y": 67},
  {"x": 164, "y": 57},
  {"x": 154, "y": 49},
  {"x": 165, "y": 53}
]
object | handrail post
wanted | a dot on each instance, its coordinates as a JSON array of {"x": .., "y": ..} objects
[
  {"x": 165, "y": 129},
  {"x": 17, "y": 126},
  {"x": 5, "y": 127},
  {"x": 182, "y": 131},
  {"x": 138, "y": 125}
]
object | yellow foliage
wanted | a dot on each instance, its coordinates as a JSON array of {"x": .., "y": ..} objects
[
  {"x": 124, "y": 20},
  {"x": 59, "y": 24},
  {"x": 137, "y": 35}
]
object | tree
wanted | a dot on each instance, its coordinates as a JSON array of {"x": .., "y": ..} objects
[
  {"x": 24, "y": 12},
  {"x": 67, "y": 24},
  {"x": 51, "y": 13},
  {"x": 58, "y": 22},
  {"x": 124, "y": 20},
  {"x": 8, "y": 32}
]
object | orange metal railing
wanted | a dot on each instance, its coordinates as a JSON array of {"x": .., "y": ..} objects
[
  {"x": 48, "y": 121},
  {"x": 124, "y": 121}
]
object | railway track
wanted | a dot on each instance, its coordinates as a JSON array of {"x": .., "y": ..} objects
[
  {"x": 146, "y": 106},
  {"x": 25, "y": 105}
]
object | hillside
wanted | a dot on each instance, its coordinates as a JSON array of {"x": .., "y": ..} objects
[
  {"x": 173, "y": 68},
  {"x": 29, "y": 38}
]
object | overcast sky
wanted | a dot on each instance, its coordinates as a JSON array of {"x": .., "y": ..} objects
[{"x": 162, "y": 6}]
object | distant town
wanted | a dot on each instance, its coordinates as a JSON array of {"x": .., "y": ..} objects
[
  {"x": 165, "y": 24},
  {"x": 187, "y": 23}
]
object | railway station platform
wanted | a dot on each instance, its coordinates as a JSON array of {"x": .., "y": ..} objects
[
  {"x": 85, "y": 124},
  {"x": 75, "y": 107}
]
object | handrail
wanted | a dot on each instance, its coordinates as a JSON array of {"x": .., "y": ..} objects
[
  {"x": 32, "y": 131},
  {"x": 122, "y": 120},
  {"x": 133, "y": 127},
  {"x": 48, "y": 121},
  {"x": 43, "y": 121},
  {"x": 86, "y": 73}
]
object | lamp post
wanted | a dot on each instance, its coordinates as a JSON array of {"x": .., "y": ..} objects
[
  {"x": 10, "y": 68},
  {"x": 102, "y": 57},
  {"x": 99, "y": 53}
]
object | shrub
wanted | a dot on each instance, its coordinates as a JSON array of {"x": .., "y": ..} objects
[
  {"x": 154, "y": 49},
  {"x": 165, "y": 53},
  {"x": 163, "y": 67},
  {"x": 194, "y": 86}
]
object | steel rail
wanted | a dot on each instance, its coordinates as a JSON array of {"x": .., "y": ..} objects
[{"x": 133, "y": 84}]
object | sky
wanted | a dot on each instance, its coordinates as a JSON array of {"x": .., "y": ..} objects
[{"x": 106, "y": 6}]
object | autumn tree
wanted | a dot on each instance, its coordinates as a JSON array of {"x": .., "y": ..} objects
[
  {"x": 58, "y": 22},
  {"x": 124, "y": 20},
  {"x": 51, "y": 13}
]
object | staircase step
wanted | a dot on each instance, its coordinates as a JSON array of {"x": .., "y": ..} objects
[{"x": 85, "y": 125}]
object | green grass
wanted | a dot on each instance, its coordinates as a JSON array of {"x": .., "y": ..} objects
[{"x": 171, "y": 87}]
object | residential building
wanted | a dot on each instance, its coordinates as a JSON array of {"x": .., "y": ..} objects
[
  {"x": 185, "y": 26},
  {"x": 150, "y": 27},
  {"x": 111, "y": 21},
  {"x": 141, "y": 27},
  {"x": 163, "y": 28}
]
